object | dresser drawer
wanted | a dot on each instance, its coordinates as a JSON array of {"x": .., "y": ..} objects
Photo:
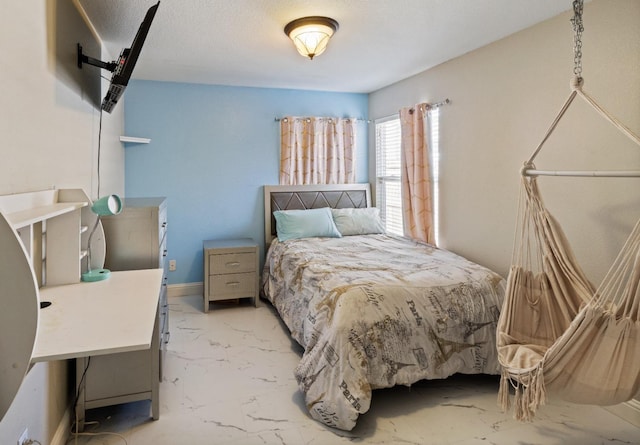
[
  {"x": 162, "y": 222},
  {"x": 162, "y": 253},
  {"x": 233, "y": 285},
  {"x": 232, "y": 263}
]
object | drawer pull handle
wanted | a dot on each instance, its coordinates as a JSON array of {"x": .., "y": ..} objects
[
  {"x": 233, "y": 264},
  {"x": 233, "y": 283}
]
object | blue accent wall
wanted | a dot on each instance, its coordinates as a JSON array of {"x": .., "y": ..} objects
[{"x": 212, "y": 149}]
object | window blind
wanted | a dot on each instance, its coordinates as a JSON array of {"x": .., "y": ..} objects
[
  {"x": 434, "y": 122},
  {"x": 388, "y": 187}
]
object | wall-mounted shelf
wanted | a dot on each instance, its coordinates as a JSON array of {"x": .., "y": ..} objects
[
  {"x": 134, "y": 140},
  {"x": 34, "y": 215}
]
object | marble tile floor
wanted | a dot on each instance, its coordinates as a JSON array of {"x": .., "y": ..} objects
[{"x": 228, "y": 380}]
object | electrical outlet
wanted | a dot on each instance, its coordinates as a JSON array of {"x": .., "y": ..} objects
[
  {"x": 172, "y": 265},
  {"x": 24, "y": 437}
]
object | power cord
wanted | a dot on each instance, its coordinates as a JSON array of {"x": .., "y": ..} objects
[
  {"x": 75, "y": 402},
  {"x": 97, "y": 434},
  {"x": 98, "y": 154},
  {"x": 74, "y": 430}
]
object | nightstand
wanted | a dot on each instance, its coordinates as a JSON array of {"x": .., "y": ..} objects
[{"x": 230, "y": 270}]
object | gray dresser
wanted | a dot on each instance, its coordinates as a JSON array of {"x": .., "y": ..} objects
[{"x": 137, "y": 239}]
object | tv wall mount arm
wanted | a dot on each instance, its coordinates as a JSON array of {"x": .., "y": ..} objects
[{"x": 83, "y": 58}]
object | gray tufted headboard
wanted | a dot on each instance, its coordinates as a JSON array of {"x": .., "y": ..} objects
[{"x": 301, "y": 197}]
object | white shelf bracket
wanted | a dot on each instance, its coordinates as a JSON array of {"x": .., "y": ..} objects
[{"x": 134, "y": 140}]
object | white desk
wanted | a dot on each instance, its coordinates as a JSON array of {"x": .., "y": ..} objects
[
  {"x": 98, "y": 318},
  {"x": 111, "y": 328}
]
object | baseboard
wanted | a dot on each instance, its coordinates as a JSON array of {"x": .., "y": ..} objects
[
  {"x": 63, "y": 431},
  {"x": 629, "y": 411},
  {"x": 185, "y": 289}
]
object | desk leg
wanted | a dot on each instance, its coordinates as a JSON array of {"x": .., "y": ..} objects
[{"x": 81, "y": 366}]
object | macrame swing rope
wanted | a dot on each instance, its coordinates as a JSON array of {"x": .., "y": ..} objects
[
  {"x": 576, "y": 84},
  {"x": 557, "y": 333}
]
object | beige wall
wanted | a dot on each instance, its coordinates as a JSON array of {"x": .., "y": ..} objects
[
  {"x": 49, "y": 138},
  {"x": 504, "y": 97}
]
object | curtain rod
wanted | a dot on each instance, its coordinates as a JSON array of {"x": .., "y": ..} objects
[
  {"x": 429, "y": 106},
  {"x": 442, "y": 103},
  {"x": 439, "y": 104},
  {"x": 278, "y": 119}
]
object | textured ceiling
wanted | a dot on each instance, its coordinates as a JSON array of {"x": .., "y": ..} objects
[{"x": 242, "y": 43}]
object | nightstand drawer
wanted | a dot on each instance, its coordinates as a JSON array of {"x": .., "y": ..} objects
[
  {"x": 232, "y": 285},
  {"x": 232, "y": 263}
]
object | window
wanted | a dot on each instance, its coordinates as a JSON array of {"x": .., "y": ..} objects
[
  {"x": 388, "y": 167},
  {"x": 388, "y": 187}
]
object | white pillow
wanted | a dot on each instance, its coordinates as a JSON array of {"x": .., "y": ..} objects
[
  {"x": 363, "y": 221},
  {"x": 293, "y": 224}
]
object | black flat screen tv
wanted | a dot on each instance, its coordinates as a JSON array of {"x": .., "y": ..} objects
[{"x": 123, "y": 67}]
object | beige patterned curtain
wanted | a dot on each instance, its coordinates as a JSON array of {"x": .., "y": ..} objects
[
  {"x": 417, "y": 205},
  {"x": 317, "y": 150}
]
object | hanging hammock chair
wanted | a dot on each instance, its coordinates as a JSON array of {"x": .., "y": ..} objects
[{"x": 556, "y": 332}]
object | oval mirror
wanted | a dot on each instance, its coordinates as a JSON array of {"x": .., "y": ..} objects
[{"x": 18, "y": 316}]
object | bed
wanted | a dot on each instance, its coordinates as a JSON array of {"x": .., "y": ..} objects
[{"x": 373, "y": 310}]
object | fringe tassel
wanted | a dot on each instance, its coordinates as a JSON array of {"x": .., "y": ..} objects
[
  {"x": 503, "y": 392},
  {"x": 528, "y": 396},
  {"x": 539, "y": 388},
  {"x": 533, "y": 394},
  {"x": 517, "y": 409}
]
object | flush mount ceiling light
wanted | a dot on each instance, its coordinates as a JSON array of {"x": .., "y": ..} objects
[{"x": 311, "y": 34}]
